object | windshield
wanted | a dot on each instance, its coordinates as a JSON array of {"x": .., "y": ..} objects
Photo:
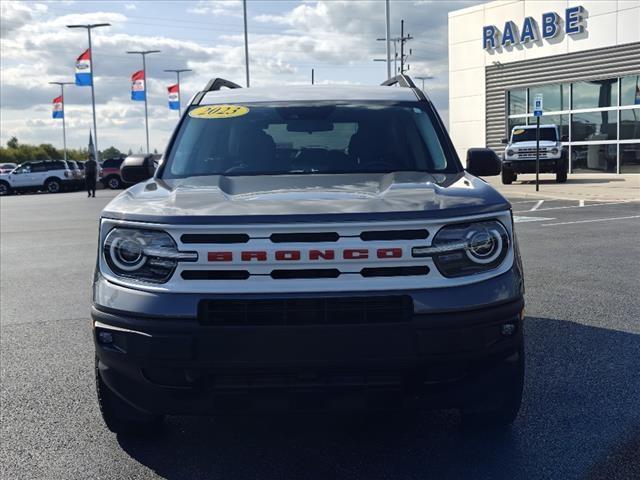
[
  {"x": 306, "y": 138},
  {"x": 529, "y": 134}
]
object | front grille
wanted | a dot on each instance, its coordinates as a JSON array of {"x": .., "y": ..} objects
[
  {"x": 307, "y": 311},
  {"x": 215, "y": 275},
  {"x": 214, "y": 238},
  {"x": 306, "y": 273},
  {"x": 305, "y": 237},
  {"x": 530, "y": 153},
  {"x": 394, "y": 235}
]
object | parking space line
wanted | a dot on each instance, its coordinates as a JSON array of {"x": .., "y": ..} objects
[
  {"x": 536, "y": 206},
  {"x": 590, "y": 221},
  {"x": 576, "y": 206}
]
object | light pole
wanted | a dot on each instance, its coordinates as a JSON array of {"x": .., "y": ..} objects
[
  {"x": 64, "y": 129},
  {"x": 89, "y": 26},
  {"x": 246, "y": 41},
  {"x": 144, "y": 54},
  {"x": 177, "y": 71},
  {"x": 387, "y": 37},
  {"x": 395, "y": 41},
  {"x": 423, "y": 78}
]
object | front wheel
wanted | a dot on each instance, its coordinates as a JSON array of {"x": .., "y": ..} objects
[
  {"x": 5, "y": 189},
  {"x": 561, "y": 177},
  {"x": 508, "y": 176},
  {"x": 120, "y": 417},
  {"x": 53, "y": 185},
  {"x": 505, "y": 412},
  {"x": 114, "y": 183}
]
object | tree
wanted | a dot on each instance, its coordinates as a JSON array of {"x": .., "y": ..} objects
[
  {"x": 12, "y": 143},
  {"x": 111, "y": 152}
]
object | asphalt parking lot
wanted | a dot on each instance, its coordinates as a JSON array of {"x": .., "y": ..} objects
[{"x": 580, "y": 416}]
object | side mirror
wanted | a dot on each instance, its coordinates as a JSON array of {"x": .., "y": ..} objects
[
  {"x": 137, "y": 168},
  {"x": 564, "y": 138},
  {"x": 505, "y": 140},
  {"x": 483, "y": 162}
]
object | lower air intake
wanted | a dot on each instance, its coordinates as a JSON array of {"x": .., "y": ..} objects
[{"x": 307, "y": 311}]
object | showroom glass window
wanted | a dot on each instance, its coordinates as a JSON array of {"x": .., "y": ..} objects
[
  {"x": 518, "y": 101},
  {"x": 630, "y": 158},
  {"x": 602, "y": 124},
  {"x": 630, "y": 90},
  {"x": 556, "y": 97},
  {"x": 595, "y": 94}
]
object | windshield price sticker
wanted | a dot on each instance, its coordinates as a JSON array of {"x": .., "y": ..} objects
[{"x": 219, "y": 111}]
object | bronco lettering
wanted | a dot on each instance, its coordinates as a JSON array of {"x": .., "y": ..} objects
[{"x": 312, "y": 255}]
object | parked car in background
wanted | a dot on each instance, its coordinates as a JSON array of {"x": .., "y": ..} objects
[
  {"x": 7, "y": 167},
  {"x": 109, "y": 173},
  {"x": 52, "y": 176},
  {"x": 77, "y": 175}
]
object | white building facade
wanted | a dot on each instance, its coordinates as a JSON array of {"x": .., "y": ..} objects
[{"x": 582, "y": 56}]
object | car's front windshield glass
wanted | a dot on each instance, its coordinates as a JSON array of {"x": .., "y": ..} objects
[
  {"x": 529, "y": 134},
  {"x": 306, "y": 138}
]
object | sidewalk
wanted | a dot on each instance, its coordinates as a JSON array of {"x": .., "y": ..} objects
[{"x": 587, "y": 186}]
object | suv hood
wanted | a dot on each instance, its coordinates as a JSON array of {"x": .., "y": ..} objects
[
  {"x": 314, "y": 197},
  {"x": 532, "y": 144}
]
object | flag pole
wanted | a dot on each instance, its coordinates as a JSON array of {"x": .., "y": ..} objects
[
  {"x": 146, "y": 111},
  {"x": 64, "y": 129},
  {"x": 93, "y": 103},
  {"x": 144, "y": 54},
  {"x": 93, "y": 93},
  {"x": 178, "y": 71}
]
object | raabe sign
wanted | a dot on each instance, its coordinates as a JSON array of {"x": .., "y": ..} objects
[{"x": 550, "y": 26}]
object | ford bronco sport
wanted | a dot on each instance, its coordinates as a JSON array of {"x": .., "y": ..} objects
[{"x": 308, "y": 248}]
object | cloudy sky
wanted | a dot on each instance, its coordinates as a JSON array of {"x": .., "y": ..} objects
[{"x": 286, "y": 40}]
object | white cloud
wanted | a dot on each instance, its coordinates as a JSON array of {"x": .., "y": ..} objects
[
  {"x": 337, "y": 38},
  {"x": 231, "y": 8},
  {"x": 14, "y": 15},
  {"x": 130, "y": 6}
]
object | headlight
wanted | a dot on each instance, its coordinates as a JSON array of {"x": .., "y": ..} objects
[
  {"x": 467, "y": 248},
  {"x": 510, "y": 153},
  {"x": 554, "y": 151},
  {"x": 145, "y": 255}
]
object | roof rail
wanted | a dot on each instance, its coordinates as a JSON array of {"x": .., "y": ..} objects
[
  {"x": 213, "y": 85},
  {"x": 400, "y": 80}
]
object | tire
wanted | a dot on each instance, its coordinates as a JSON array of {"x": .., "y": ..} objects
[
  {"x": 506, "y": 412},
  {"x": 5, "y": 189},
  {"x": 561, "y": 177},
  {"x": 119, "y": 416},
  {"x": 508, "y": 176},
  {"x": 113, "y": 182},
  {"x": 561, "y": 173},
  {"x": 53, "y": 185}
]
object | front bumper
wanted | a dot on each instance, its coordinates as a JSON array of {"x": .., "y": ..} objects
[
  {"x": 529, "y": 166},
  {"x": 437, "y": 358}
]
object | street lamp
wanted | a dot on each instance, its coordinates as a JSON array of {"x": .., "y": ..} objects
[
  {"x": 423, "y": 78},
  {"x": 64, "y": 129},
  {"x": 144, "y": 54},
  {"x": 177, "y": 71},
  {"x": 90, "y": 26},
  {"x": 246, "y": 40}
]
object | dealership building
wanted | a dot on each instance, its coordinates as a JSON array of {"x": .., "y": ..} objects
[{"x": 582, "y": 56}]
